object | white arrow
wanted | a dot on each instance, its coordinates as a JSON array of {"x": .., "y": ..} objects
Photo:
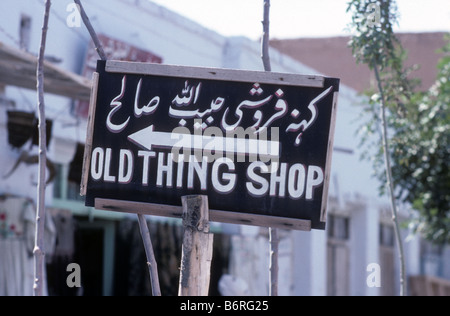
[{"x": 149, "y": 138}]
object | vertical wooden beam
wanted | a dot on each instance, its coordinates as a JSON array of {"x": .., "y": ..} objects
[
  {"x": 39, "y": 254},
  {"x": 265, "y": 45},
  {"x": 274, "y": 267},
  {"x": 151, "y": 261},
  {"x": 87, "y": 23},
  {"x": 197, "y": 247},
  {"x": 273, "y": 232}
]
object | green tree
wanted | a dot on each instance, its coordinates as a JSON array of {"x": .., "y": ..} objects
[
  {"x": 418, "y": 122},
  {"x": 375, "y": 44},
  {"x": 421, "y": 151}
]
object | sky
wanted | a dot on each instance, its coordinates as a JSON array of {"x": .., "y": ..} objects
[{"x": 302, "y": 18}]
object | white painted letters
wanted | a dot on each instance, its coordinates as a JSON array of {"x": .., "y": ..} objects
[
  {"x": 278, "y": 181},
  {"x": 98, "y": 158},
  {"x": 116, "y": 104},
  {"x": 126, "y": 166},
  {"x": 229, "y": 177},
  {"x": 260, "y": 182},
  {"x": 294, "y": 182},
  {"x": 297, "y": 177},
  {"x": 146, "y": 164},
  {"x": 165, "y": 169},
  {"x": 315, "y": 179},
  {"x": 107, "y": 176}
]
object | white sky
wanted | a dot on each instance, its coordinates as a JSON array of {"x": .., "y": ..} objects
[{"x": 302, "y": 18}]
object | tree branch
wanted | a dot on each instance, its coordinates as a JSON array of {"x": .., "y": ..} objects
[
  {"x": 274, "y": 268},
  {"x": 39, "y": 255},
  {"x": 151, "y": 261},
  {"x": 266, "y": 36},
  {"x": 273, "y": 232},
  {"x": 87, "y": 23},
  {"x": 390, "y": 183}
]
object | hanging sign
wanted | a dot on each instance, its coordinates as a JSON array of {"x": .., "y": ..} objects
[{"x": 257, "y": 144}]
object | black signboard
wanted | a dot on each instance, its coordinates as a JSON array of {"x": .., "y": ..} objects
[{"x": 257, "y": 144}]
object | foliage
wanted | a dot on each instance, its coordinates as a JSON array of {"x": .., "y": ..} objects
[
  {"x": 422, "y": 151},
  {"x": 418, "y": 122}
]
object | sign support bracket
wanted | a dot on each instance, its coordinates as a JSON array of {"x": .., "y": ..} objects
[{"x": 131, "y": 207}]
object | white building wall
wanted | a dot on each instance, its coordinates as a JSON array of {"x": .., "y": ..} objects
[
  {"x": 23, "y": 181},
  {"x": 302, "y": 263},
  {"x": 147, "y": 26},
  {"x": 179, "y": 41},
  {"x": 365, "y": 243}
]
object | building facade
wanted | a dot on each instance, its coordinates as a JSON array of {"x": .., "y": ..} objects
[{"x": 355, "y": 252}]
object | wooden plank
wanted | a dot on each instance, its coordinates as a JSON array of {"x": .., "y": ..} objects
[
  {"x": 197, "y": 251},
  {"x": 215, "y": 74},
  {"x": 214, "y": 215},
  {"x": 18, "y": 68},
  {"x": 260, "y": 220},
  {"x": 89, "y": 135},
  {"x": 323, "y": 213}
]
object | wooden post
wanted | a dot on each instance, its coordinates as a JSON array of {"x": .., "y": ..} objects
[
  {"x": 87, "y": 23},
  {"x": 39, "y": 255},
  {"x": 273, "y": 267},
  {"x": 197, "y": 247},
  {"x": 273, "y": 232},
  {"x": 148, "y": 246},
  {"x": 151, "y": 261}
]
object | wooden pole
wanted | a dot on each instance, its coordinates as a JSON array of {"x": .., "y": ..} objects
[
  {"x": 266, "y": 36},
  {"x": 151, "y": 261},
  {"x": 390, "y": 185},
  {"x": 197, "y": 247},
  {"x": 39, "y": 254},
  {"x": 273, "y": 232},
  {"x": 90, "y": 28},
  {"x": 274, "y": 268}
]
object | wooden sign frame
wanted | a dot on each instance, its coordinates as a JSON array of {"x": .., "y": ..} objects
[{"x": 212, "y": 74}]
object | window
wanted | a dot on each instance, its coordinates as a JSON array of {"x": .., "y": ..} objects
[
  {"x": 64, "y": 188},
  {"x": 58, "y": 183},
  {"x": 338, "y": 253},
  {"x": 338, "y": 227},
  {"x": 386, "y": 235},
  {"x": 387, "y": 260},
  {"x": 431, "y": 259},
  {"x": 25, "y": 32}
]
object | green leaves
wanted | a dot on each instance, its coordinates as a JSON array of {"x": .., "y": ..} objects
[
  {"x": 418, "y": 122},
  {"x": 373, "y": 42}
]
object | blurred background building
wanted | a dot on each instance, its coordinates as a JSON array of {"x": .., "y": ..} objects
[{"x": 107, "y": 246}]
